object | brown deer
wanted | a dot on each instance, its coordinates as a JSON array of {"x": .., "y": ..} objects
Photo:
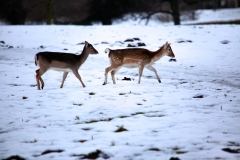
[
  {"x": 135, "y": 58},
  {"x": 65, "y": 62}
]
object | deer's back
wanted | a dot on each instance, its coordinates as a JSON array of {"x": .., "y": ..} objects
[
  {"x": 126, "y": 55},
  {"x": 57, "y": 56}
]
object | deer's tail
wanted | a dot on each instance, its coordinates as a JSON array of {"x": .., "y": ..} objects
[
  {"x": 36, "y": 59},
  {"x": 107, "y": 51}
]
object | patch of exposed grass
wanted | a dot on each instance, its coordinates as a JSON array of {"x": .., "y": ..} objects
[
  {"x": 93, "y": 121},
  {"x": 174, "y": 158},
  {"x": 34, "y": 141},
  {"x": 178, "y": 150},
  {"x": 77, "y": 118},
  {"x": 81, "y": 140},
  {"x": 14, "y": 84},
  {"x": 24, "y": 97},
  {"x": 92, "y": 93},
  {"x": 17, "y": 157},
  {"x": 112, "y": 143},
  {"x": 101, "y": 120},
  {"x": 181, "y": 152},
  {"x": 154, "y": 149},
  {"x": 93, "y": 155},
  {"x": 134, "y": 114},
  {"x": 124, "y": 116},
  {"x": 155, "y": 115},
  {"x": 121, "y": 129},
  {"x": 149, "y": 77},
  {"x": 77, "y": 104},
  {"x": 86, "y": 129},
  {"x": 183, "y": 82},
  {"x": 175, "y": 148},
  {"x": 52, "y": 151},
  {"x": 109, "y": 119},
  {"x": 230, "y": 143},
  {"x": 229, "y": 150}
]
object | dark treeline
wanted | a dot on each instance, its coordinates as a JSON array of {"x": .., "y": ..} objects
[{"x": 85, "y": 12}]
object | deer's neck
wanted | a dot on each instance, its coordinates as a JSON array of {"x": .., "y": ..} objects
[
  {"x": 158, "y": 54},
  {"x": 83, "y": 56}
]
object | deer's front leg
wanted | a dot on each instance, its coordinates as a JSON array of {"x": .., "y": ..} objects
[
  {"x": 79, "y": 77},
  {"x": 140, "y": 73},
  {"x": 64, "y": 78},
  {"x": 155, "y": 71}
]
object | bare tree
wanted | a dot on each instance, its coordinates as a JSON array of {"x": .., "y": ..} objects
[
  {"x": 12, "y": 11},
  {"x": 49, "y": 4},
  {"x": 107, "y": 10},
  {"x": 157, "y": 8}
]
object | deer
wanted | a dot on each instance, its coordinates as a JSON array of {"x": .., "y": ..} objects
[
  {"x": 66, "y": 62},
  {"x": 135, "y": 58}
]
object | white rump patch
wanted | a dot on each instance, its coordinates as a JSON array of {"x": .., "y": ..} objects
[
  {"x": 37, "y": 63},
  {"x": 107, "y": 50}
]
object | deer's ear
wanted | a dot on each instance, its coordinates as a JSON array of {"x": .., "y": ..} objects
[
  {"x": 86, "y": 44},
  {"x": 165, "y": 45}
]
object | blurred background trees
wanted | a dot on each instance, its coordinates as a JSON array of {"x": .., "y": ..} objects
[{"x": 86, "y": 12}]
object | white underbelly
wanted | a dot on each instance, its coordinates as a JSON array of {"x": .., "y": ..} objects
[
  {"x": 131, "y": 65},
  {"x": 61, "y": 69}
]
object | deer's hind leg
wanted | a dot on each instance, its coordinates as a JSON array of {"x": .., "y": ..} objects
[
  {"x": 108, "y": 69},
  {"x": 113, "y": 72}
]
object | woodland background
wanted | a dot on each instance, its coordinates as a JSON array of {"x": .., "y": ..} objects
[{"x": 88, "y": 12}]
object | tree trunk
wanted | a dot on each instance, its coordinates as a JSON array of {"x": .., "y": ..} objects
[
  {"x": 106, "y": 20},
  {"x": 236, "y": 4},
  {"x": 49, "y": 11},
  {"x": 175, "y": 11}
]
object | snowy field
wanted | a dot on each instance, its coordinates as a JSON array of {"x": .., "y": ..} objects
[{"x": 193, "y": 114}]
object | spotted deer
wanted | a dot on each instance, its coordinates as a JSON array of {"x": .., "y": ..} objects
[
  {"x": 135, "y": 58},
  {"x": 65, "y": 62}
]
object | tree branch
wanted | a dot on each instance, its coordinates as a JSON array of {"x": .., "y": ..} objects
[{"x": 150, "y": 14}]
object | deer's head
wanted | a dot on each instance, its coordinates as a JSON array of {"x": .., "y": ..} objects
[
  {"x": 90, "y": 49},
  {"x": 168, "y": 50}
]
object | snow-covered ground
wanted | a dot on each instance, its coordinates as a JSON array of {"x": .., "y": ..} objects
[{"x": 193, "y": 114}]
